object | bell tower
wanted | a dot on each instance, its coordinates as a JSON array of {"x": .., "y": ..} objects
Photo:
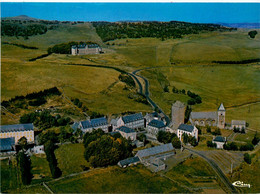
[{"x": 221, "y": 116}]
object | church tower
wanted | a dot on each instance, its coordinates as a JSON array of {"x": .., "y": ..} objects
[
  {"x": 178, "y": 112},
  {"x": 221, "y": 116}
]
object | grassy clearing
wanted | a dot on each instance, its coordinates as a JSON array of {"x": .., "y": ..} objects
[
  {"x": 116, "y": 180},
  {"x": 247, "y": 137},
  {"x": 70, "y": 158}
]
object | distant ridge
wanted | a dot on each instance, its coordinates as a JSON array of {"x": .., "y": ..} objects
[
  {"x": 20, "y": 17},
  {"x": 241, "y": 25}
]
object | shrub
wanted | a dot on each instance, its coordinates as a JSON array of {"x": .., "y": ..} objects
[
  {"x": 211, "y": 144},
  {"x": 247, "y": 158},
  {"x": 24, "y": 164},
  {"x": 255, "y": 140},
  {"x": 176, "y": 143},
  {"x": 246, "y": 147}
]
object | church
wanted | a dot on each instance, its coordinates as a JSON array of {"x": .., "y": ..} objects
[{"x": 215, "y": 119}]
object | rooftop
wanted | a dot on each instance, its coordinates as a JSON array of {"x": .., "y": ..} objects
[
  {"x": 129, "y": 161},
  {"x": 7, "y": 143},
  {"x": 204, "y": 115},
  {"x": 238, "y": 122},
  {"x": 178, "y": 104},
  {"x": 17, "y": 127},
  {"x": 221, "y": 107},
  {"x": 219, "y": 139},
  {"x": 155, "y": 150},
  {"x": 125, "y": 129},
  {"x": 184, "y": 127},
  {"x": 94, "y": 123},
  {"x": 132, "y": 118},
  {"x": 156, "y": 123}
]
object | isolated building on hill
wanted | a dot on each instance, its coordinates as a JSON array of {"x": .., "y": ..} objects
[
  {"x": 220, "y": 141},
  {"x": 85, "y": 49},
  {"x": 133, "y": 121},
  {"x": 90, "y": 125},
  {"x": 7, "y": 144},
  {"x": 216, "y": 119},
  {"x": 127, "y": 132},
  {"x": 188, "y": 129},
  {"x": 239, "y": 124},
  {"x": 178, "y": 114},
  {"x": 155, "y": 126},
  {"x": 17, "y": 131}
]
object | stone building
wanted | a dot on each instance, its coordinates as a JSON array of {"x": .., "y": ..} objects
[
  {"x": 239, "y": 124},
  {"x": 85, "y": 49},
  {"x": 90, "y": 125},
  {"x": 127, "y": 132},
  {"x": 188, "y": 129},
  {"x": 216, "y": 119},
  {"x": 133, "y": 121},
  {"x": 17, "y": 131},
  {"x": 178, "y": 114},
  {"x": 220, "y": 141},
  {"x": 155, "y": 126}
]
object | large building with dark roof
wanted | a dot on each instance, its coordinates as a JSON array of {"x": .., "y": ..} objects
[
  {"x": 17, "y": 131},
  {"x": 155, "y": 126},
  {"x": 86, "y": 49},
  {"x": 133, "y": 121},
  {"x": 127, "y": 132},
  {"x": 216, "y": 118},
  {"x": 98, "y": 123},
  {"x": 7, "y": 144},
  {"x": 187, "y": 129}
]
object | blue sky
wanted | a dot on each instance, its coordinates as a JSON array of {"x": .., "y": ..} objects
[{"x": 189, "y": 12}]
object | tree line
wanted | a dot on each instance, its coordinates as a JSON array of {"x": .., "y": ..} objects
[{"x": 164, "y": 30}]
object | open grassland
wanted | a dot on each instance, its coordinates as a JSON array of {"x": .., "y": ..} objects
[
  {"x": 117, "y": 180},
  {"x": 70, "y": 158}
]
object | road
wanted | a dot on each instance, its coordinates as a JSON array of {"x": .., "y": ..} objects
[{"x": 219, "y": 172}]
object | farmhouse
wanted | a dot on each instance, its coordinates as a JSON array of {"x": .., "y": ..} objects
[
  {"x": 238, "y": 124},
  {"x": 85, "y": 49},
  {"x": 209, "y": 118},
  {"x": 188, "y": 129},
  {"x": 98, "y": 123},
  {"x": 17, "y": 131},
  {"x": 7, "y": 144},
  {"x": 134, "y": 121},
  {"x": 127, "y": 132},
  {"x": 220, "y": 141},
  {"x": 155, "y": 126},
  {"x": 128, "y": 162}
]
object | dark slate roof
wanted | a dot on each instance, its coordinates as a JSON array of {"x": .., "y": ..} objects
[
  {"x": 93, "y": 46},
  {"x": 83, "y": 46},
  {"x": 238, "y": 122},
  {"x": 75, "y": 126},
  {"x": 204, "y": 115},
  {"x": 125, "y": 129},
  {"x": 93, "y": 123},
  {"x": 7, "y": 143},
  {"x": 132, "y": 118},
  {"x": 129, "y": 161},
  {"x": 184, "y": 127},
  {"x": 156, "y": 123},
  {"x": 219, "y": 139},
  {"x": 17, "y": 127},
  {"x": 155, "y": 150},
  {"x": 113, "y": 133}
]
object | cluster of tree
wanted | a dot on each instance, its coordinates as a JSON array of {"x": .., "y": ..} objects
[
  {"x": 256, "y": 139},
  {"x": 233, "y": 146},
  {"x": 195, "y": 98},
  {"x": 49, "y": 148},
  {"x": 35, "y": 96},
  {"x": 163, "y": 30},
  {"x": 247, "y": 158},
  {"x": 216, "y": 132},
  {"x": 13, "y": 29},
  {"x": 127, "y": 79},
  {"x": 167, "y": 137},
  {"x": 211, "y": 144},
  {"x": 189, "y": 139},
  {"x": 93, "y": 114},
  {"x": 20, "y": 45},
  {"x": 238, "y": 130},
  {"x": 252, "y": 33},
  {"x": 238, "y": 62},
  {"x": 77, "y": 102},
  {"x": 44, "y": 119},
  {"x": 142, "y": 137},
  {"x": 24, "y": 164},
  {"x": 138, "y": 98},
  {"x": 103, "y": 150},
  {"x": 178, "y": 91},
  {"x": 65, "y": 48}
]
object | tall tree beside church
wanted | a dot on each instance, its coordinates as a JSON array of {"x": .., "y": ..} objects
[{"x": 24, "y": 164}]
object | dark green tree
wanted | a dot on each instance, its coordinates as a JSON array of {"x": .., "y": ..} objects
[
  {"x": 24, "y": 164},
  {"x": 176, "y": 143},
  {"x": 247, "y": 158}
]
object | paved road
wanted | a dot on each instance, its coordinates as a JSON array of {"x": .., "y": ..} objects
[{"x": 219, "y": 172}]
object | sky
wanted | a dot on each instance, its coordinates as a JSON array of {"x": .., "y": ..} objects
[{"x": 188, "y": 12}]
